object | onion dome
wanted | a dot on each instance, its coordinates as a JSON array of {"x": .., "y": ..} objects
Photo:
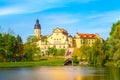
[{"x": 37, "y": 25}]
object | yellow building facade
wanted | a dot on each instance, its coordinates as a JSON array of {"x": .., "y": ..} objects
[
  {"x": 60, "y": 38},
  {"x": 89, "y": 39}
]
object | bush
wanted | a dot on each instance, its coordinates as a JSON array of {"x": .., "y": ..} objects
[{"x": 75, "y": 60}]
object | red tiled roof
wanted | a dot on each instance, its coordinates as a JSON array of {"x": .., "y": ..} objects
[{"x": 81, "y": 35}]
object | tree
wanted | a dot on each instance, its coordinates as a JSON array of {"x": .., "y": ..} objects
[
  {"x": 97, "y": 55},
  {"x": 44, "y": 39},
  {"x": 1, "y": 47},
  {"x": 31, "y": 49},
  {"x": 11, "y": 47},
  {"x": 114, "y": 42},
  {"x": 52, "y": 51},
  {"x": 19, "y": 49},
  {"x": 84, "y": 50},
  {"x": 60, "y": 52},
  {"x": 7, "y": 47}
]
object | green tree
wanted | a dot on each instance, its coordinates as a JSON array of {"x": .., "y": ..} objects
[
  {"x": 10, "y": 46},
  {"x": 31, "y": 49},
  {"x": 44, "y": 39},
  {"x": 7, "y": 49},
  {"x": 60, "y": 52},
  {"x": 75, "y": 60},
  {"x": 2, "y": 53},
  {"x": 84, "y": 50},
  {"x": 96, "y": 53},
  {"x": 52, "y": 51},
  {"x": 114, "y": 43},
  {"x": 19, "y": 48}
]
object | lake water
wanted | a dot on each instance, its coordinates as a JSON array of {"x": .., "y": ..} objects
[{"x": 59, "y": 73}]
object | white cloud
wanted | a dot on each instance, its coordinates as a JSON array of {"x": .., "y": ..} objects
[
  {"x": 105, "y": 19},
  {"x": 10, "y": 10},
  {"x": 92, "y": 23},
  {"x": 30, "y": 6}
]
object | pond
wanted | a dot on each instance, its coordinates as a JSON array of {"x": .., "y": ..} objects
[{"x": 60, "y": 73}]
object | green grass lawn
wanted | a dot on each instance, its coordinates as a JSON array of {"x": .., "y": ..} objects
[{"x": 44, "y": 61}]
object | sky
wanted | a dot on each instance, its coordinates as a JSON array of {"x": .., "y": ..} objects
[{"x": 82, "y": 16}]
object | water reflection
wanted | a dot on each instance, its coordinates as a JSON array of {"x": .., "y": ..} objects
[{"x": 60, "y": 73}]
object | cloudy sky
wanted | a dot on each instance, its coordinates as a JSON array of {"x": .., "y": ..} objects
[{"x": 83, "y": 16}]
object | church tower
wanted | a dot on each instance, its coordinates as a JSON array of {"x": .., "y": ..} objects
[{"x": 37, "y": 29}]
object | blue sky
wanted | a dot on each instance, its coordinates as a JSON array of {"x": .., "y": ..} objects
[{"x": 83, "y": 16}]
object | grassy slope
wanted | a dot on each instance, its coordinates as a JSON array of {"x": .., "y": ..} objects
[
  {"x": 76, "y": 52},
  {"x": 43, "y": 62}
]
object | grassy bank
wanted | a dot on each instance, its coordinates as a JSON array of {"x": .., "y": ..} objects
[
  {"x": 113, "y": 64},
  {"x": 44, "y": 61}
]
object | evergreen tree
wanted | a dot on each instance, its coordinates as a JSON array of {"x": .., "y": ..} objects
[{"x": 19, "y": 48}]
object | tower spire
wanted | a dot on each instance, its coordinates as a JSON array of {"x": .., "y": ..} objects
[
  {"x": 37, "y": 25},
  {"x": 37, "y": 28}
]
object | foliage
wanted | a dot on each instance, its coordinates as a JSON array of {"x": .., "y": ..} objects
[
  {"x": 96, "y": 53},
  {"x": 84, "y": 50},
  {"x": 30, "y": 49},
  {"x": 52, "y": 51},
  {"x": 44, "y": 39},
  {"x": 7, "y": 47},
  {"x": 12, "y": 48},
  {"x": 112, "y": 50},
  {"x": 93, "y": 54},
  {"x": 19, "y": 49},
  {"x": 60, "y": 52},
  {"x": 75, "y": 60}
]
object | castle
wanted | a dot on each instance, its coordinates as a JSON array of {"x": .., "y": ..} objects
[{"x": 60, "y": 38}]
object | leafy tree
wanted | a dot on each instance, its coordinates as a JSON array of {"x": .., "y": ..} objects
[
  {"x": 44, "y": 39},
  {"x": 52, "y": 51},
  {"x": 1, "y": 47},
  {"x": 7, "y": 47},
  {"x": 31, "y": 49},
  {"x": 84, "y": 50},
  {"x": 114, "y": 42},
  {"x": 10, "y": 47},
  {"x": 75, "y": 60},
  {"x": 19, "y": 48},
  {"x": 93, "y": 54},
  {"x": 97, "y": 55},
  {"x": 60, "y": 52}
]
